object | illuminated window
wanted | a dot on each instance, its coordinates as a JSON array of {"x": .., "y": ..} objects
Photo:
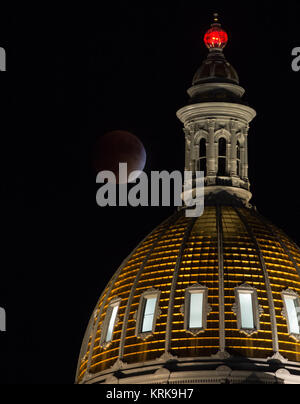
[
  {"x": 291, "y": 312},
  {"x": 110, "y": 322},
  {"x": 147, "y": 313},
  {"x": 247, "y": 309},
  {"x": 195, "y": 309}
]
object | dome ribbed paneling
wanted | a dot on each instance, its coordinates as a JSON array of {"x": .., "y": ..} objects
[
  {"x": 242, "y": 264},
  {"x": 199, "y": 264},
  {"x": 224, "y": 248}
]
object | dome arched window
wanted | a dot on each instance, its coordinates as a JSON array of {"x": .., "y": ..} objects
[
  {"x": 202, "y": 156},
  {"x": 291, "y": 312},
  {"x": 247, "y": 309},
  {"x": 195, "y": 309},
  {"x": 110, "y": 322},
  {"x": 238, "y": 158},
  {"x": 147, "y": 314},
  {"x": 222, "y": 145}
]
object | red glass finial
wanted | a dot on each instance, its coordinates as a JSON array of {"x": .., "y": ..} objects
[{"x": 216, "y": 37}]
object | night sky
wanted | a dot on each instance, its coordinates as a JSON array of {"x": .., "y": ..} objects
[{"x": 74, "y": 74}]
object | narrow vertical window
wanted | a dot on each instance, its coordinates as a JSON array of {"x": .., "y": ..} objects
[
  {"x": 246, "y": 306},
  {"x": 238, "y": 159},
  {"x": 195, "y": 309},
  {"x": 147, "y": 314},
  {"x": 247, "y": 309},
  {"x": 292, "y": 312},
  {"x": 222, "y": 157},
  {"x": 149, "y": 311},
  {"x": 2, "y": 320},
  {"x": 110, "y": 322},
  {"x": 202, "y": 156}
]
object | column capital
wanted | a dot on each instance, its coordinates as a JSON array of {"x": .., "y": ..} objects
[{"x": 211, "y": 124}]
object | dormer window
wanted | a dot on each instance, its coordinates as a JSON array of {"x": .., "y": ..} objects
[
  {"x": 291, "y": 312},
  {"x": 247, "y": 309},
  {"x": 147, "y": 313},
  {"x": 149, "y": 304},
  {"x": 195, "y": 309},
  {"x": 110, "y": 322}
]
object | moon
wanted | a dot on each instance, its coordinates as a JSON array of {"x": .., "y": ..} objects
[{"x": 116, "y": 147}]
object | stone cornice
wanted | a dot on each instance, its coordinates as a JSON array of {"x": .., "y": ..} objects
[
  {"x": 204, "y": 87},
  {"x": 216, "y": 110}
]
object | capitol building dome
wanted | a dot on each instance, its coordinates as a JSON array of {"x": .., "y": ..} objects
[{"x": 208, "y": 299}]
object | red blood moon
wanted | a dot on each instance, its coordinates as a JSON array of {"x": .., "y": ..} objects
[{"x": 119, "y": 147}]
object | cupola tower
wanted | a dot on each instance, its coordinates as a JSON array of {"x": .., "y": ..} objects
[{"x": 209, "y": 299}]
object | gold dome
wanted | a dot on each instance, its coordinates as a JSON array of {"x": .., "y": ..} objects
[
  {"x": 212, "y": 299},
  {"x": 225, "y": 248}
]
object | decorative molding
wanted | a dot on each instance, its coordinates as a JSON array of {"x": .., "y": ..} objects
[
  {"x": 257, "y": 309},
  {"x": 221, "y": 355},
  {"x": 223, "y": 370},
  {"x": 277, "y": 357},
  {"x": 211, "y": 123},
  {"x": 181, "y": 309},
  {"x": 234, "y": 308},
  {"x": 204, "y": 87},
  {"x": 84, "y": 358},
  {"x": 229, "y": 126},
  {"x": 282, "y": 373},
  {"x": 223, "y": 110},
  {"x": 187, "y": 133},
  {"x": 112, "y": 380},
  {"x": 200, "y": 134},
  {"x": 149, "y": 292},
  {"x": 167, "y": 357},
  {"x": 119, "y": 364},
  {"x": 201, "y": 370},
  {"x": 233, "y": 126},
  {"x": 290, "y": 292},
  {"x": 222, "y": 133},
  {"x": 294, "y": 295},
  {"x": 206, "y": 308},
  {"x": 162, "y": 372},
  {"x": 115, "y": 302},
  {"x": 239, "y": 193},
  {"x": 87, "y": 376}
]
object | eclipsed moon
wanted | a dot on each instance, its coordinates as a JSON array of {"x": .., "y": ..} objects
[{"x": 116, "y": 147}]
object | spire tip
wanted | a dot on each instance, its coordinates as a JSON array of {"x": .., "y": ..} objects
[{"x": 216, "y": 17}]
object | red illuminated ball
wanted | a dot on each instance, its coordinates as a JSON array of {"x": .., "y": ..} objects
[{"x": 216, "y": 37}]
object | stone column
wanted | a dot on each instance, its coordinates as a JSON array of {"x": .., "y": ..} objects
[
  {"x": 233, "y": 155},
  {"x": 244, "y": 155},
  {"x": 187, "y": 149},
  {"x": 210, "y": 149}
]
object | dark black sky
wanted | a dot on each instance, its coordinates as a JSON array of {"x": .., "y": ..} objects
[{"x": 73, "y": 75}]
